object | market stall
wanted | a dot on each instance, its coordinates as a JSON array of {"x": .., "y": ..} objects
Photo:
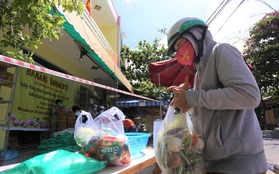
[
  {"x": 35, "y": 92},
  {"x": 103, "y": 148},
  {"x": 137, "y": 164}
]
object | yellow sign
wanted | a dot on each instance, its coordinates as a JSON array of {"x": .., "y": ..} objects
[{"x": 34, "y": 97}]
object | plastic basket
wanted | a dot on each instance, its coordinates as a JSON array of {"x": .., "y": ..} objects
[{"x": 137, "y": 141}]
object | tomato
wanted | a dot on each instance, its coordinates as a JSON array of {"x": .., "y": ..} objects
[{"x": 194, "y": 139}]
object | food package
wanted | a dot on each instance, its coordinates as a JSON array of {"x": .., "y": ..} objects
[
  {"x": 113, "y": 149},
  {"x": 84, "y": 131},
  {"x": 178, "y": 149},
  {"x": 108, "y": 142}
]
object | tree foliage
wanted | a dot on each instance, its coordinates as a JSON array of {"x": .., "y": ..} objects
[
  {"x": 262, "y": 50},
  {"x": 25, "y": 23},
  {"x": 136, "y": 64}
]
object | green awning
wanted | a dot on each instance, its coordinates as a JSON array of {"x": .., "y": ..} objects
[{"x": 105, "y": 62}]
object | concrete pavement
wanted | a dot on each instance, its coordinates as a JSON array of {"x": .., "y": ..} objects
[{"x": 271, "y": 145}]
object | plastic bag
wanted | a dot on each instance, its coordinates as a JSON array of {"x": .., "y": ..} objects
[
  {"x": 178, "y": 149},
  {"x": 83, "y": 131},
  {"x": 63, "y": 140},
  {"x": 58, "y": 162},
  {"x": 110, "y": 122},
  {"x": 9, "y": 155},
  {"x": 110, "y": 142}
]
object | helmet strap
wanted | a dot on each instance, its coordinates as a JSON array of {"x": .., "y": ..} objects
[{"x": 199, "y": 43}]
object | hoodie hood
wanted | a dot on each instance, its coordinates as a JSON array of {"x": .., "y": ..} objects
[{"x": 208, "y": 42}]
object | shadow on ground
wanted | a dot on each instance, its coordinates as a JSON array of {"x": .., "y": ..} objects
[{"x": 270, "y": 134}]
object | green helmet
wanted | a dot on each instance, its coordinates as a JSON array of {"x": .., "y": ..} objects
[{"x": 181, "y": 27}]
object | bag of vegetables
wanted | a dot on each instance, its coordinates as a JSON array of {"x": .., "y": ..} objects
[
  {"x": 178, "y": 149},
  {"x": 109, "y": 143}
]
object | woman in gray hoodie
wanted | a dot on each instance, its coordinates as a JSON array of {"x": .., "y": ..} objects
[{"x": 223, "y": 99}]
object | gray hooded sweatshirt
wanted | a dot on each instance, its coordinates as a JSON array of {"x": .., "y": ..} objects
[{"x": 223, "y": 101}]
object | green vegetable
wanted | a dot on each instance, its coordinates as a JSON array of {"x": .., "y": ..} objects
[{"x": 82, "y": 135}]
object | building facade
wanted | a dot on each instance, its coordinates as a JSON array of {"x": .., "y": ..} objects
[{"x": 89, "y": 49}]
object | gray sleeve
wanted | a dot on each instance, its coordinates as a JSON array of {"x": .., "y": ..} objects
[
  {"x": 237, "y": 88},
  {"x": 192, "y": 98}
]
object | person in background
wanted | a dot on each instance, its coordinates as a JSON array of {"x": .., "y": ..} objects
[
  {"x": 56, "y": 109},
  {"x": 129, "y": 125},
  {"x": 101, "y": 109},
  {"x": 95, "y": 112},
  {"x": 223, "y": 99},
  {"x": 77, "y": 111},
  {"x": 141, "y": 127}
]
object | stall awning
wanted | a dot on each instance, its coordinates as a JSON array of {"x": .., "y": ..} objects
[
  {"x": 127, "y": 103},
  {"x": 78, "y": 30}
]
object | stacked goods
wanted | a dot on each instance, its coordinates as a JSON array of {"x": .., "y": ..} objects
[
  {"x": 149, "y": 120},
  {"x": 62, "y": 120},
  {"x": 148, "y": 116},
  {"x": 71, "y": 120},
  {"x": 65, "y": 120},
  {"x": 13, "y": 143},
  {"x": 60, "y": 140}
]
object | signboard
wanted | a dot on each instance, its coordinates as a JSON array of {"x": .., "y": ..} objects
[
  {"x": 34, "y": 97},
  {"x": 9, "y": 77}
]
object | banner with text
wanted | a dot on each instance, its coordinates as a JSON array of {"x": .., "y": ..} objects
[{"x": 34, "y": 97}]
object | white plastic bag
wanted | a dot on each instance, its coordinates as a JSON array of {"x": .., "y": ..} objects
[
  {"x": 178, "y": 150},
  {"x": 110, "y": 121},
  {"x": 84, "y": 131},
  {"x": 110, "y": 142}
]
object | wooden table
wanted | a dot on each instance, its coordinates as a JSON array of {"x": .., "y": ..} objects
[{"x": 138, "y": 164}]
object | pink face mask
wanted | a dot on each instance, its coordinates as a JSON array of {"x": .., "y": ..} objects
[{"x": 186, "y": 54}]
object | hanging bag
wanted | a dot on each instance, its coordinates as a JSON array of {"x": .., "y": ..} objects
[
  {"x": 109, "y": 142},
  {"x": 178, "y": 150},
  {"x": 83, "y": 131}
]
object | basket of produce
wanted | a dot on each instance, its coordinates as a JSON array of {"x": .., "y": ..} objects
[
  {"x": 103, "y": 138},
  {"x": 137, "y": 141}
]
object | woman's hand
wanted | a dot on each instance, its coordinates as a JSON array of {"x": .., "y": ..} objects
[{"x": 179, "y": 99}]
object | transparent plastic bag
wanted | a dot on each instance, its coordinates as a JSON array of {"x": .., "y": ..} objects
[
  {"x": 110, "y": 142},
  {"x": 110, "y": 122},
  {"x": 9, "y": 154},
  {"x": 84, "y": 131},
  {"x": 178, "y": 150}
]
